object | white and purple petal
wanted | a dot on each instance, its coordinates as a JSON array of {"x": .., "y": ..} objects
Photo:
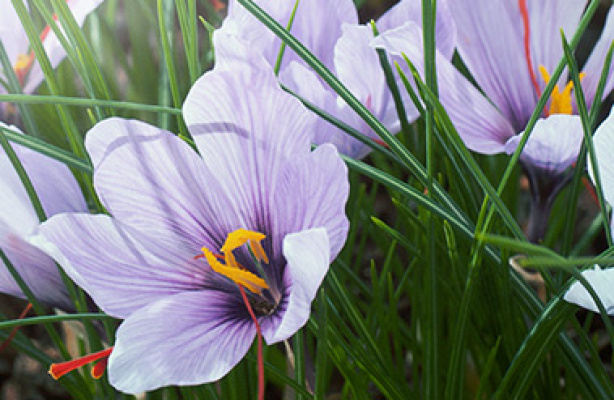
[
  {"x": 190, "y": 338},
  {"x": 245, "y": 136},
  {"x": 121, "y": 271},
  {"x": 308, "y": 255},
  {"x": 602, "y": 282},
  {"x": 603, "y": 142},
  {"x": 554, "y": 143},
  {"x": 411, "y": 10}
]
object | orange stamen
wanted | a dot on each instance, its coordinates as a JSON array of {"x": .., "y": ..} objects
[
  {"x": 15, "y": 329},
  {"x": 57, "y": 370},
  {"x": 260, "y": 357},
  {"x": 524, "y": 12}
]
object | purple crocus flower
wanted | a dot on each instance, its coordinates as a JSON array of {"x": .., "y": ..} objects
[
  {"x": 15, "y": 41},
  {"x": 491, "y": 42},
  {"x": 256, "y": 210},
  {"x": 58, "y": 192},
  {"x": 330, "y": 30},
  {"x": 512, "y": 74}
]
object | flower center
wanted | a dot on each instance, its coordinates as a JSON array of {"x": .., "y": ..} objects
[{"x": 231, "y": 269}]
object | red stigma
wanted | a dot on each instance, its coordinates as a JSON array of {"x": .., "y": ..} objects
[
  {"x": 58, "y": 370},
  {"x": 258, "y": 331},
  {"x": 524, "y": 12}
]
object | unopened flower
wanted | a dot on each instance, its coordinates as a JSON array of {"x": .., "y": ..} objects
[
  {"x": 58, "y": 192},
  {"x": 199, "y": 247},
  {"x": 330, "y": 30}
]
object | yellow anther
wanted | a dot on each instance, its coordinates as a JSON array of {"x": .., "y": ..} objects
[
  {"x": 239, "y": 276},
  {"x": 560, "y": 101},
  {"x": 238, "y": 238}
]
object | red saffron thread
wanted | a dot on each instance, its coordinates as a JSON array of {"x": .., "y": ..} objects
[
  {"x": 260, "y": 358},
  {"x": 522, "y": 4},
  {"x": 57, "y": 370},
  {"x": 15, "y": 329}
]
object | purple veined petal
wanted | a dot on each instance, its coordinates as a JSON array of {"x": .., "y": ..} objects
[
  {"x": 187, "y": 339},
  {"x": 359, "y": 69},
  {"x": 594, "y": 64},
  {"x": 411, "y": 10},
  {"x": 500, "y": 70},
  {"x": 308, "y": 255},
  {"x": 479, "y": 123},
  {"x": 36, "y": 268},
  {"x": 153, "y": 181},
  {"x": 547, "y": 19},
  {"x": 603, "y": 141},
  {"x": 602, "y": 281},
  {"x": 120, "y": 272},
  {"x": 246, "y": 136},
  {"x": 317, "y": 25},
  {"x": 309, "y": 86},
  {"x": 56, "y": 187},
  {"x": 554, "y": 143},
  {"x": 312, "y": 192},
  {"x": 54, "y": 49}
]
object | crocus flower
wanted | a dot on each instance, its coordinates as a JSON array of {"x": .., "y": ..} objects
[
  {"x": 511, "y": 76},
  {"x": 510, "y": 49},
  {"x": 58, "y": 192},
  {"x": 601, "y": 280},
  {"x": 15, "y": 41},
  {"x": 330, "y": 30},
  {"x": 255, "y": 214}
]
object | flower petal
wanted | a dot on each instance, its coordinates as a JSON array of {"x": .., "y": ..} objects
[
  {"x": 317, "y": 25},
  {"x": 602, "y": 281},
  {"x": 603, "y": 141},
  {"x": 548, "y": 18},
  {"x": 308, "y": 257},
  {"x": 120, "y": 272},
  {"x": 186, "y": 339},
  {"x": 36, "y": 268},
  {"x": 479, "y": 123},
  {"x": 359, "y": 69},
  {"x": 246, "y": 128},
  {"x": 411, "y": 10},
  {"x": 554, "y": 143},
  {"x": 154, "y": 182},
  {"x": 312, "y": 193},
  {"x": 53, "y": 182},
  {"x": 594, "y": 64},
  {"x": 500, "y": 70},
  {"x": 310, "y": 87}
]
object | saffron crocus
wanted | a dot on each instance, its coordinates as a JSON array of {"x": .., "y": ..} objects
[
  {"x": 58, "y": 192},
  {"x": 601, "y": 280},
  {"x": 197, "y": 242},
  {"x": 512, "y": 78},
  {"x": 17, "y": 46},
  {"x": 330, "y": 30}
]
